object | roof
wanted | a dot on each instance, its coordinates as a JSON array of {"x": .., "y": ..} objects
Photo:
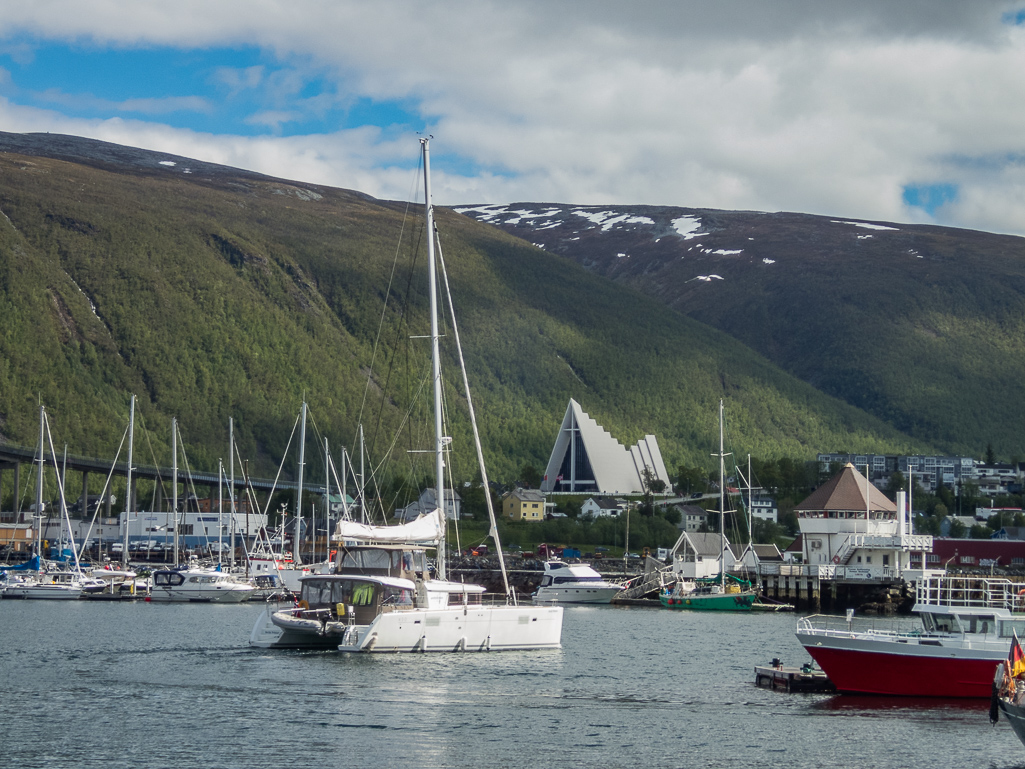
[
  {"x": 707, "y": 543},
  {"x": 797, "y": 546},
  {"x": 527, "y": 495},
  {"x": 846, "y": 492},
  {"x": 605, "y": 503},
  {"x": 767, "y": 552}
]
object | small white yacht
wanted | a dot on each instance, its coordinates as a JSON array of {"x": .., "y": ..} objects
[
  {"x": 574, "y": 583},
  {"x": 199, "y": 585}
]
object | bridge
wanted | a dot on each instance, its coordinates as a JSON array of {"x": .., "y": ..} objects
[{"x": 12, "y": 457}]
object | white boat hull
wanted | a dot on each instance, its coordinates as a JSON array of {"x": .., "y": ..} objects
[
  {"x": 572, "y": 594},
  {"x": 473, "y": 628},
  {"x": 44, "y": 591},
  {"x": 211, "y": 594}
]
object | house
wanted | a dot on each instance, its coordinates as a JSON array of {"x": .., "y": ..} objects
[
  {"x": 428, "y": 502},
  {"x": 764, "y": 508},
  {"x": 524, "y": 505},
  {"x": 697, "y": 555},
  {"x": 692, "y": 517},
  {"x": 17, "y": 536},
  {"x": 602, "y": 507}
]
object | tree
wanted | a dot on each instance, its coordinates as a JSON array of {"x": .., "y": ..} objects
[
  {"x": 530, "y": 476},
  {"x": 990, "y": 456}
]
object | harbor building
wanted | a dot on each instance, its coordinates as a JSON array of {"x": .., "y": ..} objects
[{"x": 586, "y": 459}]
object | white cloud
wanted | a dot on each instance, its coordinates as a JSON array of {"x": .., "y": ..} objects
[{"x": 831, "y": 108}]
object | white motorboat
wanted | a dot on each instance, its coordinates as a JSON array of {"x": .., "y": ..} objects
[
  {"x": 573, "y": 583},
  {"x": 382, "y": 596},
  {"x": 54, "y": 586},
  {"x": 199, "y": 585}
]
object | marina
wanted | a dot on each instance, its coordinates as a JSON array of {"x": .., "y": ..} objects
[{"x": 146, "y": 685}]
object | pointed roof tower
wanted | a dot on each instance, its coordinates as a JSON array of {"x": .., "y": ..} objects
[
  {"x": 586, "y": 459},
  {"x": 846, "y": 493}
]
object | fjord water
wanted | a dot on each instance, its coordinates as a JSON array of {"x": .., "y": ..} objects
[{"x": 144, "y": 685}]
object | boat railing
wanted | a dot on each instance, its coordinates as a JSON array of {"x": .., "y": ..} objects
[
  {"x": 971, "y": 592},
  {"x": 833, "y": 625}
]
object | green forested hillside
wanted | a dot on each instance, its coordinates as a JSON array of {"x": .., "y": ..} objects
[
  {"x": 212, "y": 293},
  {"x": 921, "y": 326}
]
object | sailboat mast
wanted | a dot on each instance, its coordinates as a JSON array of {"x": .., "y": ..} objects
[
  {"x": 439, "y": 440},
  {"x": 39, "y": 485},
  {"x": 231, "y": 486},
  {"x": 174, "y": 483},
  {"x": 722, "y": 500},
  {"x": 299, "y": 496},
  {"x": 128, "y": 489}
]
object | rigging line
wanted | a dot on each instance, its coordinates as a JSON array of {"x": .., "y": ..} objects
[
  {"x": 391, "y": 277},
  {"x": 476, "y": 434},
  {"x": 281, "y": 465},
  {"x": 103, "y": 492},
  {"x": 60, "y": 488},
  {"x": 401, "y": 322}
]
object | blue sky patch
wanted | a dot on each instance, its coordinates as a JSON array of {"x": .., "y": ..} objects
[
  {"x": 930, "y": 197},
  {"x": 243, "y": 91}
]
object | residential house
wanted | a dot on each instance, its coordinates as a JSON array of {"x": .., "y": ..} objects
[
  {"x": 698, "y": 555},
  {"x": 602, "y": 507},
  {"x": 524, "y": 505}
]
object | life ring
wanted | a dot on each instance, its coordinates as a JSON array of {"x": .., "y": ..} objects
[
  {"x": 836, "y": 558},
  {"x": 303, "y": 605}
]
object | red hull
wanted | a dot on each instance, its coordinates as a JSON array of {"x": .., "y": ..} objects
[{"x": 862, "y": 672}]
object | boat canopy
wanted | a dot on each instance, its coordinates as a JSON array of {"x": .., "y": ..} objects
[{"x": 425, "y": 530}]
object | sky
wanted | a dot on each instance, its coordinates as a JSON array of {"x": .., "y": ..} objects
[{"x": 886, "y": 110}]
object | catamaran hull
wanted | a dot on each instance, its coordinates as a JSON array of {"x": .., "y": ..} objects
[
  {"x": 928, "y": 668},
  {"x": 716, "y": 602},
  {"x": 268, "y": 634},
  {"x": 469, "y": 629}
]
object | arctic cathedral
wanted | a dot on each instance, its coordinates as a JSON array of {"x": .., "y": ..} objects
[{"x": 588, "y": 460}]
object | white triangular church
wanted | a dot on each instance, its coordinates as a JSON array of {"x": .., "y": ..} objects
[{"x": 588, "y": 460}]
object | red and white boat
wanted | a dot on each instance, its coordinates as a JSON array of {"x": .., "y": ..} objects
[{"x": 966, "y": 626}]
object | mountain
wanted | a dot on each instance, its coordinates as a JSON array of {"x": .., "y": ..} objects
[
  {"x": 213, "y": 292},
  {"x": 920, "y": 326}
]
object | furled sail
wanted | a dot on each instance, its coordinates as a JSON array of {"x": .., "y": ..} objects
[{"x": 425, "y": 530}]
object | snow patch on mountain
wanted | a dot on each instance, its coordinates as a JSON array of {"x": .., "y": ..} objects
[
  {"x": 687, "y": 227},
  {"x": 866, "y": 225}
]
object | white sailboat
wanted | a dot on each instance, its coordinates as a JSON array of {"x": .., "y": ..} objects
[{"x": 382, "y": 596}]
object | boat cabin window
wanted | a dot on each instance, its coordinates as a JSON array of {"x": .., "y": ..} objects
[
  {"x": 940, "y": 623},
  {"x": 978, "y": 623},
  {"x": 319, "y": 593},
  {"x": 1011, "y": 627},
  {"x": 563, "y": 580},
  {"x": 381, "y": 562},
  {"x": 167, "y": 578},
  {"x": 396, "y": 596}
]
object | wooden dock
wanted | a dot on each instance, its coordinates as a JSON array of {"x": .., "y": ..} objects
[{"x": 803, "y": 679}]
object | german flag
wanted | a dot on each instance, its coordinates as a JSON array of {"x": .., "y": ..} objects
[{"x": 1015, "y": 658}]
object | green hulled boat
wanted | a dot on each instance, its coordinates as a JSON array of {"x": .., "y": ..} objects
[
  {"x": 736, "y": 595},
  {"x": 722, "y": 593}
]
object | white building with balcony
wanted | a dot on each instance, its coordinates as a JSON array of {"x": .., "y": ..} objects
[{"x": 849, "y": 524}]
